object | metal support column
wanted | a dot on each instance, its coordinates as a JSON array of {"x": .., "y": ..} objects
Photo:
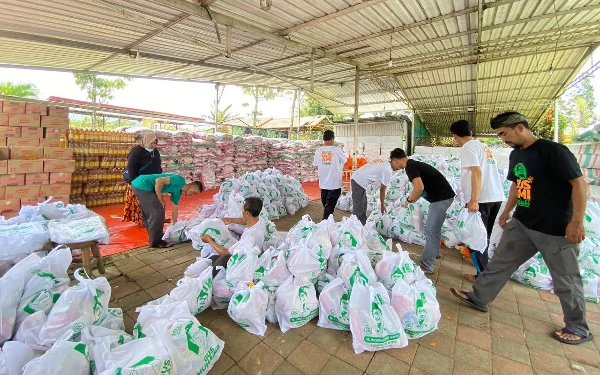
[
  {"x": 356, "y": 100},
  {"x": 216, "y": 114},
  {"x": 556, "y": 120}
]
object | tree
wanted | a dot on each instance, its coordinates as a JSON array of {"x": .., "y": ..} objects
[
  {"x": 577, "y": 108},
  {"x": 223, "y": 115},
  {"x": 99, "y": 90},
  {"x": 545, "y": 128},
  {"x": 311, "y": 107},
  {"x": 260, "y": 93},
  {"x": 23, "y": 90}
]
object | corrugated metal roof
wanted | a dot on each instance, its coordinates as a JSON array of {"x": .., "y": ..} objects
[{"x": 447, "y": 56}]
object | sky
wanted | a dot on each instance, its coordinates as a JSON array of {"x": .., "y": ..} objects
[{"x": 178, "y": 97}]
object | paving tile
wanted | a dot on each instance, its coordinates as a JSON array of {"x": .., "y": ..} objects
[
  {"x": 239, "y": 343},
  {"x": 452, "y": 280},
  {"x": 589, "y": 306},
  {"x": 465, "y": 367},
  {"x": 185, "y": 258},
  {"x": 287, "y": 368},
  {"x": 122, "y": 280},
  {"x": 307, "y": 329},
  {"x": 548, "y": 296},
  {"x": 506, "y": 305},
  {"x": 140, "y": 272},
  {"x": 433, "y": 362},
  {"x": 235, "y": 370},
  {"x": 553, "y": 307},
  {"x": 522, "y": 289},
  {"x": 172, "y": 271},
  {"x": 260, "y": 361},
  {"x": 151, "y": 257},
  {"x": 110, "y": 272},
  {"x": 449, "y": 311},
  {"x": 149, "y": 281},
  {"x": 479, "y": 358},
  {"x": 160, "y": 290},
  {"x": 551, "y": 363},
  {"x": 134, "y": 300},
  {"x": 508, "y": 332},
  {"x": 361, "y": 361},
  {"x": 580, "y": 368},
  {"x": 509, "y": 295},
  {"x": 129, "y": 323},
  {"x": 335, "y": 367},
  {"x": 593, "y": 316},
  {"x": 581, "y": 355},
  {"x": 327, "y": 339},
  {"x": 223, "y": 364},
  {"x": 544, "y": 343},
  {"x": 534, "y": 313},
  {"x": 133, "y": 314},
  {"x": 384, "y": 364},
  {"x": 120, "y": 291},
  {"x": 504, "y": 317},
  {"x": 140, "y": 251},
  {"x": 309, "y": 358},
  {"x": 438, "y": 342},
  {"x": 510, "y": 349},
  {"x": 474, "y": 337},
  {"x": 447, "y": 327},
  {"x": 132, "y": 266},
  {"x": 223, "y": 326},
  {"x": 208, "y": 316},
  {"x": 557, "y": 319},
  {"x": 537, "y": 326},
  {"x": 480, "y": 322},
  {"x": 166, "y": 263},
  {"x": 505, "y": 366},
  {"x": 406, "y": 354},
  {"x": 283, "y": 343},
  {"x": 128, "y": 258}
]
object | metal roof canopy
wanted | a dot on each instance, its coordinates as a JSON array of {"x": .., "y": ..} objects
[{"x": 451, "y": 58}]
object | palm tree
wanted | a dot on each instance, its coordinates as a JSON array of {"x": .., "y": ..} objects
[
  {"x": 223, "y": 115},
  {"x": 23, "y": 90}
]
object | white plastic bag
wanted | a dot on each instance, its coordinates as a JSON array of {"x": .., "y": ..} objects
[
  {"x": 356, "y": 267},
  {"x": 100, "y": 342},
  {"x": 397, "y": 266},
  {"x": 11, "y": 287},
  {"x": 535, "y": 274},
  {"x": 79, "y": 230},
  {"x": 175, "y": 233},
  {"x": 196, "y": 291},
  {"x": 295, "y": 304},
  {"x": 375, "y": 244},
  {"x": 248, "y": 308},
  {"x": 29, "y": 331},
  {"x": 271, "y": 313},
  {"x": 471, "y": 231},
  {"x": 82, "y": 304},
  {"x": 592, "y": 219},
  {"x": 373, "y": 322},
  {"x": 277, "y": 273},
  {"x": 138, "y": 357},
  {"x": 193, "y": 349},
  {"x": 65, "y": 357},
  {"x": 13, "y": 357},
  {"x": 410, "y": 218},
  {"x": 113, "y": 319},
  {"x": 417, "y": 307},
  {"x": 221, "y": 292},
  {"x": 196, "y": 268},
  {"x": 333, "y": 306},
  {"x": 22, "y": 239},
  {"x": 241, "y": 267},
  {"x": 149, "y": 314},
  {"x": 214, "y": 228},
  {"x": 306, "y": 260},
  {"x": 263, "y": 264},
  {"x": 349, "y": 233}
]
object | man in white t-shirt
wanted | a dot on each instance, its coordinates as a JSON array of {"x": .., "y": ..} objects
[
  {"x": 478, "y": 166},
  {"x": 373, "y": 172},
  {"x": 255, "y": 229},
  {"x": 330, "y": 161}
]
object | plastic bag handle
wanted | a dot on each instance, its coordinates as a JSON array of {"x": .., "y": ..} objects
[{"x": 77, "y": 275}]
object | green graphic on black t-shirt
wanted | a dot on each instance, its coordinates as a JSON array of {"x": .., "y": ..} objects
[{"x": 524, "y": 183}]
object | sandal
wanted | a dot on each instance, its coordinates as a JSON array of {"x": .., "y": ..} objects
[
  {"x": 471, "y": 304},
  {"x": 582, "y": 338},
  {"x": 161, "y": 245}
]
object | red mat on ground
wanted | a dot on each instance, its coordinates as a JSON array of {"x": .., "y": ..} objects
[{"x": 127, "y": 236}]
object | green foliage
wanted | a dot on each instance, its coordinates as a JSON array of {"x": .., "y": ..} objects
[
  {"x": 223, "y": 115},
  {"x": 85, "y": 122},
  {"x": 311, "y": 107},
  {"x": 98, "y": 89},
  {"x": 545, "y": 128},
  {"x": 577, "y": 108},
  {"x": 260, "y": 93},
  {"x": 22, "y": 90}
]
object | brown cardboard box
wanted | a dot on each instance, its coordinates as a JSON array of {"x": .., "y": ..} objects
[
  {"x": 14, "y": 179},
  {"x": 26, "y": 153},
  {"x": 1, "y": 105},
  {"x": 55, "y": 111},
  {"x": 45, "y": 142},
  {"x": 10, "y": 206},
  {"x": 3, "y": 167},
  {"x": 37, "y": 178},
  {"x": 25, "y": 166},
  {"x": 55, "y": 122},
  {"x": 24, "y": 120},
  {"x": 23, "y": 142},
  {"x": 50, "y": 133},
  {"x": 9, "y": 131},
  {"x": 20, "y": 192},
  {"x": 4, "y": 153},
  {"x": 60, "y": 198},
  {"x": 2, "y": 141},
  {"x": 2, "y": 192},
  {"x": 36, "y": 109},
  {"x": 13, "y": 107},
  {"x": 60, "y": 178},
  {"x": 31, "y": 201},
  {"x": 3, "y": 119},
  {"x": 58, "y": 153},
  {"x": 57, "y": 165},
  {"x": 32, "y": 133},
  {"x": 55, "y": 190}
]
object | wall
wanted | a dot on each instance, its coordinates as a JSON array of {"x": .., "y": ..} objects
[{"x": 375, "y": 139}]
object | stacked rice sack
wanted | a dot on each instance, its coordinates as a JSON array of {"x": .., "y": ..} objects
[{"x": 293, "y": 158}]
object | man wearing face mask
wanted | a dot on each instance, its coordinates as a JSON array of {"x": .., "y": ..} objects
[
  {"x": 549, "y": 193},
  {"x": 143, "y": 159}
]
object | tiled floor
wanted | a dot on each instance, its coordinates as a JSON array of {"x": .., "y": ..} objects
[{"x": 512, "y": 339}]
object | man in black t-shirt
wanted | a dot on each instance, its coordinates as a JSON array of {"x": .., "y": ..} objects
[
  {"x": 430, "y": 184},
  {"x": 549, "y": 193}
]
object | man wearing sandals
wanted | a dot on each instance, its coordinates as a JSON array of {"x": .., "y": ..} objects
[
  {"x": 478, "y": 166},
  {"x": 149, "y": 190},
  {"x": 549, "y": 194}
]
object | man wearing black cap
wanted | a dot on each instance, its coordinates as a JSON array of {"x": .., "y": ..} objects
[{"x": 549, "y": 194}]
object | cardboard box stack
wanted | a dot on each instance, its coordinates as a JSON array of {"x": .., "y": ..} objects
[
  {"x": 33, "y": 166},
  {"x": 100, "y": 158}
]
